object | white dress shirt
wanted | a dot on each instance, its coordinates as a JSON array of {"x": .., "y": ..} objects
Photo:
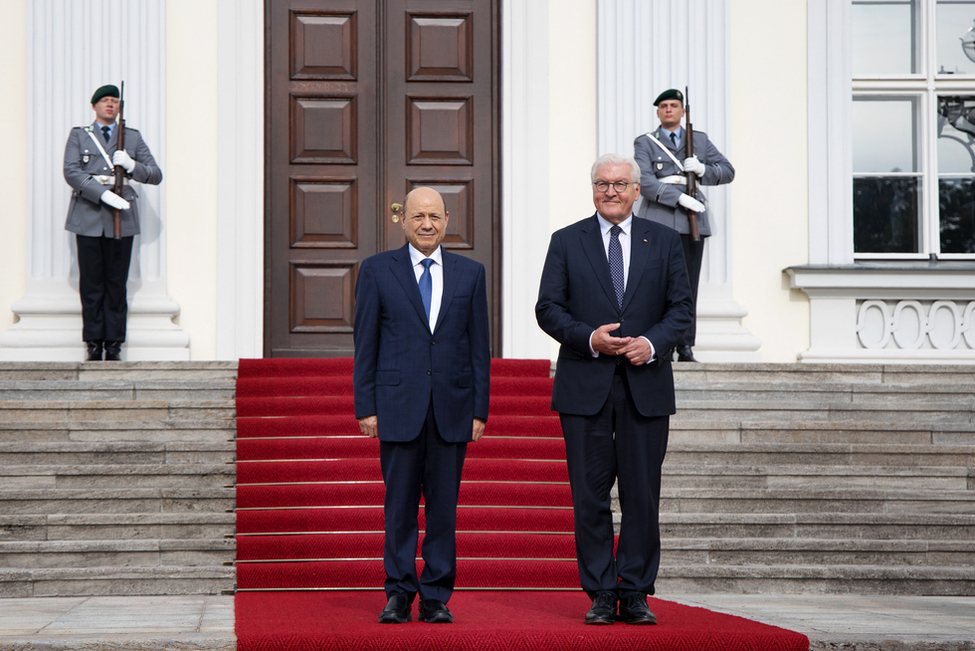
[{"x": 436, "y": 274}]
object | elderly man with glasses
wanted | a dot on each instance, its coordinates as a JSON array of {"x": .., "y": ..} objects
[{"x": 614, "y": 294}]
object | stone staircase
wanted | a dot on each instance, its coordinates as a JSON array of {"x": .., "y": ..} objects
[
  {"x": 821, "y": 478},
  {"x": 116, "y": 478}
]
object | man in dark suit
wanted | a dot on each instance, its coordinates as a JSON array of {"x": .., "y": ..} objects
[
  {"x": 90, "y": 157},
  {"x": 664, "y": 165},
  {"x": 421, "y": 375},
  {"x": 614, "y": 294}
]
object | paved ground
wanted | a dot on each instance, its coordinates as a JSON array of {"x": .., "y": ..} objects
[
  {"x": 854, "y": 622},
  {"x": 201, "y": 623}
]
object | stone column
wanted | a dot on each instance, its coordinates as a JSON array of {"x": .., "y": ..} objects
[
  {"x": 643, "y": 49},
  {"x": 76, "y": 46}
]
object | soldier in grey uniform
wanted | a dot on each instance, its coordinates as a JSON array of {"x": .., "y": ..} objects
[
  {"x": 664, "y": 165},
  {"x": 103, "y": 262}
]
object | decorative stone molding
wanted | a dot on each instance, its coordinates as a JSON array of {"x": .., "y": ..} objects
[
  {"x": 913, "y": 324},
  {"x": 72, "y": 51},
  {"x": 644, "y": 48},
  {"x": 879, "y": 312}
]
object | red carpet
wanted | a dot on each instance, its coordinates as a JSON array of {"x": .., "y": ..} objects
[{"x": 309, "y": 517}]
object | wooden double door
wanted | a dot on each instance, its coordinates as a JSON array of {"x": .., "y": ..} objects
[{"x": 366, "y": 100}]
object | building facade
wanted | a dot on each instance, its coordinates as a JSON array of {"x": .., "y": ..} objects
[{"x": 847, "y": 234}]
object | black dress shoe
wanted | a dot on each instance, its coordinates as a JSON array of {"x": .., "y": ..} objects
[
  {"x": 94, "y": 351},
  {"x": 603, "y": 609},
  {"x": 684, "y": 354},
  {"x": 434, "y": 611},
  {"x": 398, "y": 610},
  {"x": 113, "y": 351},
  {"x": 634, "y": 610}
]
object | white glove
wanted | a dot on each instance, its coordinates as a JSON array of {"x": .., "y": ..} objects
[
  {"x": 690, "y": 203},
  {"x": 692, "y": 164},
  {"x": 115, "y": 201},
  {"x": 122, "y": 158}
]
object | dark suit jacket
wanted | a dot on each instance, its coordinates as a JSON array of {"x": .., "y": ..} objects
[
  {"x": 400, "y": 366},
  {"x": 576, "y": 296},
  {"x": 661, "y": 205}
]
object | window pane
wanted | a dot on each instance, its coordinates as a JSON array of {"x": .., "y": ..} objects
[
  {"x": 883, "y": 38},
  {"x": 957, "y": 202},
  {"x": 883, "y": 136},
  {"x": 956, "y": 135},
  {"x": 953, "y": 20},
  {"x": 885, "y": 215}
]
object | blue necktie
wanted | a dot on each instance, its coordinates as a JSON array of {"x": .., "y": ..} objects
[
  {"x": 426, "y": 286},
  {"x": 106, "y": 131},
  {"x": 616, "y": 263},
  {"x": 673, "y": 137}
]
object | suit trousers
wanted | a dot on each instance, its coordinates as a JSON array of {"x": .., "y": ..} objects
[
  {"x": 693, "y": 257},
  {"x": 620, "y": 445},
  {"x": 432, "y": 466},
  {"x": 103, "y": 271}
]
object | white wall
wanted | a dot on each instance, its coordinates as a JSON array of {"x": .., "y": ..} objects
[
  {"x": 13, "y": 164},
  {"x": 770, "y": 197},
  {"x": 572, "y": 116},
  {"x": 190, "y": 180},
  {"x": 549, "y": 143},
  {"x": 572, "y": 110}
]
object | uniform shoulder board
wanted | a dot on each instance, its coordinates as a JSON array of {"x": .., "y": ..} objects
[
  {"x": 128, "y": 128},
  {"x": 87, "y": 127}
]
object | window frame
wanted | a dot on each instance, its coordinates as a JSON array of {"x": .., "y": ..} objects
[{"x": 925, "y": 86}]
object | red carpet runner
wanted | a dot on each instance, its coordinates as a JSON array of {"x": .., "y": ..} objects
[{"x": 309, "y": 517}]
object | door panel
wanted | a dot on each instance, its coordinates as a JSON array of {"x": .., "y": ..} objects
[{"x": 368, "y": 99}]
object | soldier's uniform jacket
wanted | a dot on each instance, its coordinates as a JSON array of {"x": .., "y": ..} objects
[
  {"x": 660, "y": 203},
  {"x": 85, "y": 169}
]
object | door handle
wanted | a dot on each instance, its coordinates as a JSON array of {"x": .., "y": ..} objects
[{"x": 396, "y": 208}]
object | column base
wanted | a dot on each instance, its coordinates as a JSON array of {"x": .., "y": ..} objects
[
  {"x": 49, "y": 329},
  {"x": 720, "y": 335}
]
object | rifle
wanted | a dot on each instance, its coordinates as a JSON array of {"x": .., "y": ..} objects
[
  {"x": 119, "y": 170},
  {"x": 691, "y": 179}
]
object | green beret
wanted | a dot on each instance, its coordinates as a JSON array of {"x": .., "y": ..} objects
[
  {"x": 109, "y": 90},
  {"x": 671, "y": 93}
]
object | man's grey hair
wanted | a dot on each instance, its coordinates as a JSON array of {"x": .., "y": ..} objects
[{"x": 616, "y": 159}]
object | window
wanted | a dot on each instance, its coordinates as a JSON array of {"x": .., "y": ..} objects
[{"x": 913, "y": 128}]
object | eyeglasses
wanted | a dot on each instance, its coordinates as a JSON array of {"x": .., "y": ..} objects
[{"x": 619, "y": 186}]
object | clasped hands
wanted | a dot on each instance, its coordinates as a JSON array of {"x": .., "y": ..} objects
[
  {"x": 636, "y": 349},
  {"x": 370, "y": 427}
]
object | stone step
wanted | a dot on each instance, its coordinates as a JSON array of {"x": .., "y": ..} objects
[
  {"x": 116, "y": 526},
  {"x": 684, "y": 430},
  {"x": 730, "y": 500},
  {"x": 116, "y": 553},
  {"x": 826, "y": 373},
  {"x": 961, "y": 395},
  {"x": 138, "y": 475},
  {"x": 94, "y": 371},
  {"x": 825, "y": 525},
  {"x": 182, "y": 499},
  {"x": 811, "y": 551},
  {"x": 823, "y": 411},
  {"x": 157, "y": 431},
  {"x": 97, "y": 410},
  {"x": 116, "y": 452},
  {"x": 793, "y": 477},
  {"x": 94, "y": 581},
  {"x": 752, "y": 454},
  {"x": 147, "y": 389},
  {"x": 835, "y": 579}
]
